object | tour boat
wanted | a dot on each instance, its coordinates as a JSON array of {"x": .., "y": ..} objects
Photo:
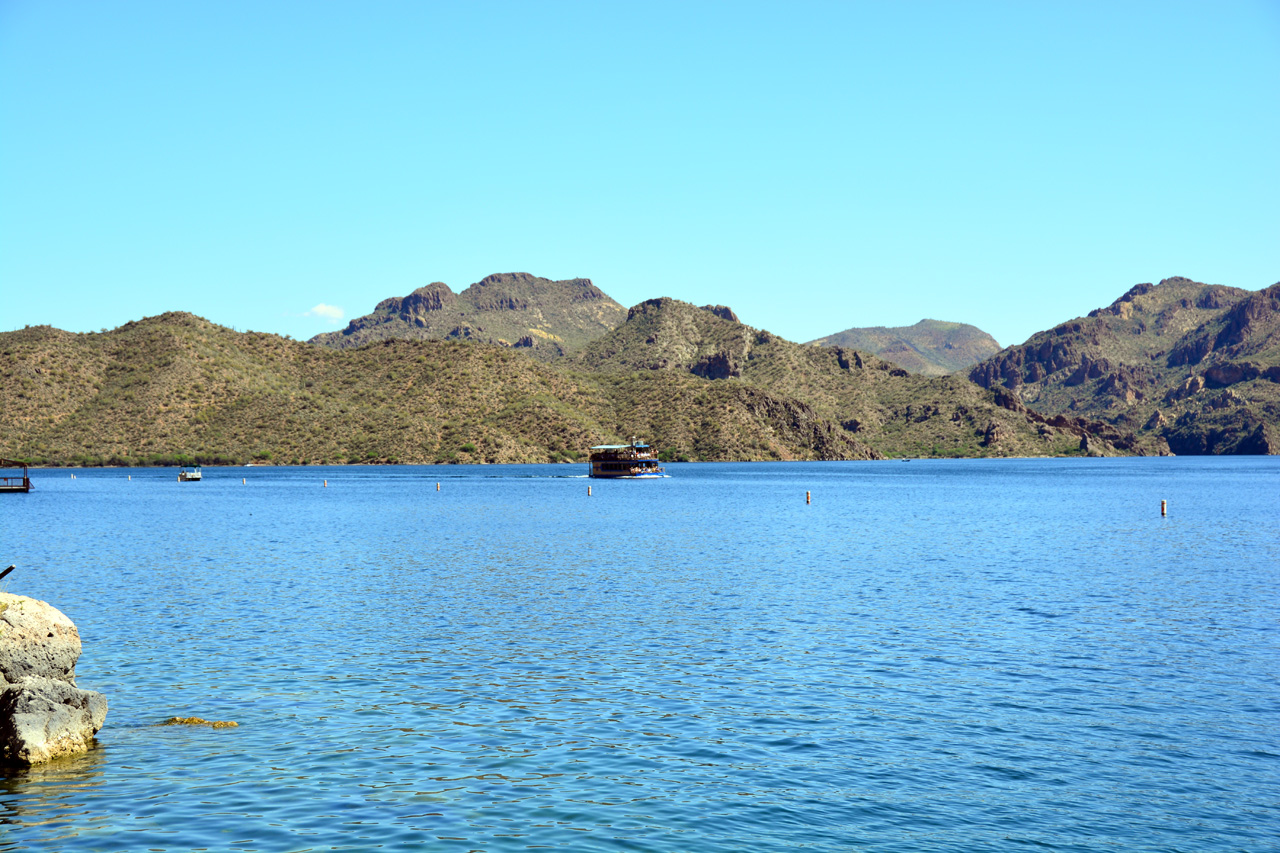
[
  {"x": 15, "y": 484},
  {"x": 632, "y": 461},
  {"x": 185, "y": 476}
]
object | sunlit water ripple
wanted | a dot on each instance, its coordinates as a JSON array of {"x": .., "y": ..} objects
[{"x": 968, "y": 655}]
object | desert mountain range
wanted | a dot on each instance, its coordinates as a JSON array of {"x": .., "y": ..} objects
[
  {"x": 518, "y": 368},
  {"x": 554, "y": 318}
]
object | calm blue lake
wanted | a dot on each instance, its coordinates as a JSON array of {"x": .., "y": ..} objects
[{"x": 932, "y": 656}]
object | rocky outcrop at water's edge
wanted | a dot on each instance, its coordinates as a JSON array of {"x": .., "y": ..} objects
[{"x": 43, "y": 714}]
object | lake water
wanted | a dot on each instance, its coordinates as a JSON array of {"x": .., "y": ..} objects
[{"x": 932, "y": 656}]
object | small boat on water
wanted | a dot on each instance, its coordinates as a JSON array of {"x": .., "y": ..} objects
[
  {"x": 634, "y": 461},
  {"x": 14, "y": 484},
  {"x": 188, "y": 475}
]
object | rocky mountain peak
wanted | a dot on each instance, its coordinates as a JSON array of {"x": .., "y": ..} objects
[
  {"x": 436, "y": 289},
  {"x": 724, "y": 312},
  {"x": 549, "y": 317},
  {"x": 649, "y": 306},
  {"x": 506, "y": 278},
  {"x": 433, "y": 297}
]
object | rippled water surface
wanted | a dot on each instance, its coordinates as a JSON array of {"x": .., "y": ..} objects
[{"x": 967, "y": 655}]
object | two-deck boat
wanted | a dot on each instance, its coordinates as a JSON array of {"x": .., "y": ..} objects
[
  {"x": 634, "y": 461},
  {"x": 189, "y": 475},
  {"x": 15, "y": 484}
]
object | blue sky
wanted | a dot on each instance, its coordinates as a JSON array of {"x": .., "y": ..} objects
[{"x": 816, "y": 166}]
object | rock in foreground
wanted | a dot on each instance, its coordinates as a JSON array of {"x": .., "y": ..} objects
[{"x": 43, "y": 715}]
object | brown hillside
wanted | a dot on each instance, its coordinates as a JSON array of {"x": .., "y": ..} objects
[
  {"x": 890, "y": 410},
  {"x": 930, "y": 347},
  {"x": 177, "y": 389},
  {"x": 544, "y": 318}
]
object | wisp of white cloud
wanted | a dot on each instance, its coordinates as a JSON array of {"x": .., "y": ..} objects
[{"x": 331, "y": 313}]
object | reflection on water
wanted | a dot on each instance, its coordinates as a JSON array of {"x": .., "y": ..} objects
[
  {"x": 942, "y": 656},
  {"x": 50, "y": 793}
]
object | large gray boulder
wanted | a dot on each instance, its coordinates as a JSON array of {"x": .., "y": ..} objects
[{"x": 43, "y": 714}]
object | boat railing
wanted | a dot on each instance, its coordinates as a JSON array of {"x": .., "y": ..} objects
[{"x": 14, "y": 483}]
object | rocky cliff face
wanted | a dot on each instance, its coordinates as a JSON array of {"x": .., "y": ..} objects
[
  {"x": 43, "y": 714},
  {"x": 545, "y": 318},
  {"x": 1250, "y": 326},
  {"x": 417, "y": 305},
  {"x": 1151, "y": 360}
]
